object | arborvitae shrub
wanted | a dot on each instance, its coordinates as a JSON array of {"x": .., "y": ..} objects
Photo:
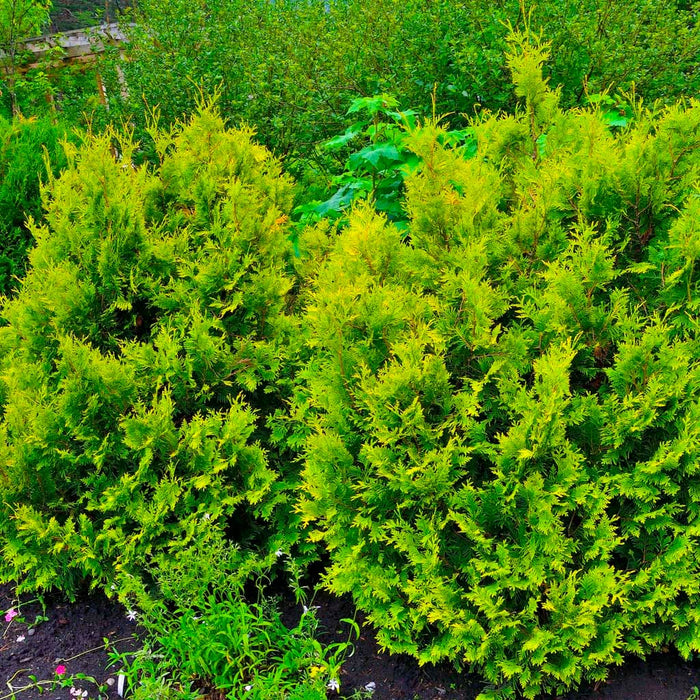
[
  {"x": 142, "y": 354},
  {"x": 502, "y": 411}
]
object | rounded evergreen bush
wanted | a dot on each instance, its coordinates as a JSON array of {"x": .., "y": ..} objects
[
  {"x": 501, "y": 412},
  {"x": 141, "y": 355}
]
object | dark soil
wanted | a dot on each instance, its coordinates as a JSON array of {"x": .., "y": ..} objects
[
  {"x": 73, "y": 636},
  {"x": 72, "y": 629}
]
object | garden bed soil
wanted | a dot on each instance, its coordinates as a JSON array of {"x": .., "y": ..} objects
[{"x": 73, "y": 636}]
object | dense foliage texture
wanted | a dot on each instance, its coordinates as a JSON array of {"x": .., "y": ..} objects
[
  {"x": 139, "y": 354},
  {"x": 478, "y": 387},
  {"x": 291, "y": 67},
  {"x": 502, "y": 409},
  {"x": 24, "y": 146}
]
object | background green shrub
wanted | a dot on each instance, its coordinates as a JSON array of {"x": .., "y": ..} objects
[
  {"x": 68, "y": 92},
  {"x": 141, "y": 356},
  {"x": 19, "y": 19},
  {"x": 24, "y": 146},
  {"x": 291, "y": 67},
  {"x": 501, "y": 409}
]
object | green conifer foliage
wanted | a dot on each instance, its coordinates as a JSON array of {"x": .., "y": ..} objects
[
  {"x": 502, "y": 412},
  {"x": 141, "y": 355}
]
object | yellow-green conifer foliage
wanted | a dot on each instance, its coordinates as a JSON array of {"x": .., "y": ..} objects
[
  {"x": 502, "y": 412},
  {"x": 141, "y": 355}
]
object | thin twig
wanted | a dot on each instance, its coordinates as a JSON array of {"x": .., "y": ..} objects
[
  {"x": 89, "y": 651},
  {"x": 16, "y": 673},
  {"x": 24, "y": 687}
]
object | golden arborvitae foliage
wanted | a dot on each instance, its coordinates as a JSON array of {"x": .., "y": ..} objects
[
  {"x": 142, "y": 353},
  {"x": 502, "y": 413}
]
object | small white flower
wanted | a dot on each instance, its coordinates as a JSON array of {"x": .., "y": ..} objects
[
  {"x": 207, "y": 516},
  {"x": 21, "y": 638},
  {"x": 279, "y": 553},
  {"x": 333, "y": 685},
  {"x": 113, "y": 587},
  {"x": 131, "y": 615},
  {"x": 371, "y": 687},
  {"x": 248, "y": 688}
]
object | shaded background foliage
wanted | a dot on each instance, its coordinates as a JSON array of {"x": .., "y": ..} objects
[
  {"x": 290, "y": 68},
  {"x": 67, "y": 15},
  {"x": 27, "y": 149}
]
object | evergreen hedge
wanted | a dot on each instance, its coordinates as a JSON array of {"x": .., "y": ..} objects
[
  {"x": 501, "y": 411},
  {"x": 141, "y": 354},
  {"x": 489, "y": 417}
]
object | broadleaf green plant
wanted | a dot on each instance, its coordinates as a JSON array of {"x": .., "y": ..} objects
[
  {"x": 378, "y": 161},
  {"x": 376, "y": 164}
]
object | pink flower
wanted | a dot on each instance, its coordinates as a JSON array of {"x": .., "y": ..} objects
[
  {"x": 60, "y": 670},
  {"x": 10, "y": 614}
]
